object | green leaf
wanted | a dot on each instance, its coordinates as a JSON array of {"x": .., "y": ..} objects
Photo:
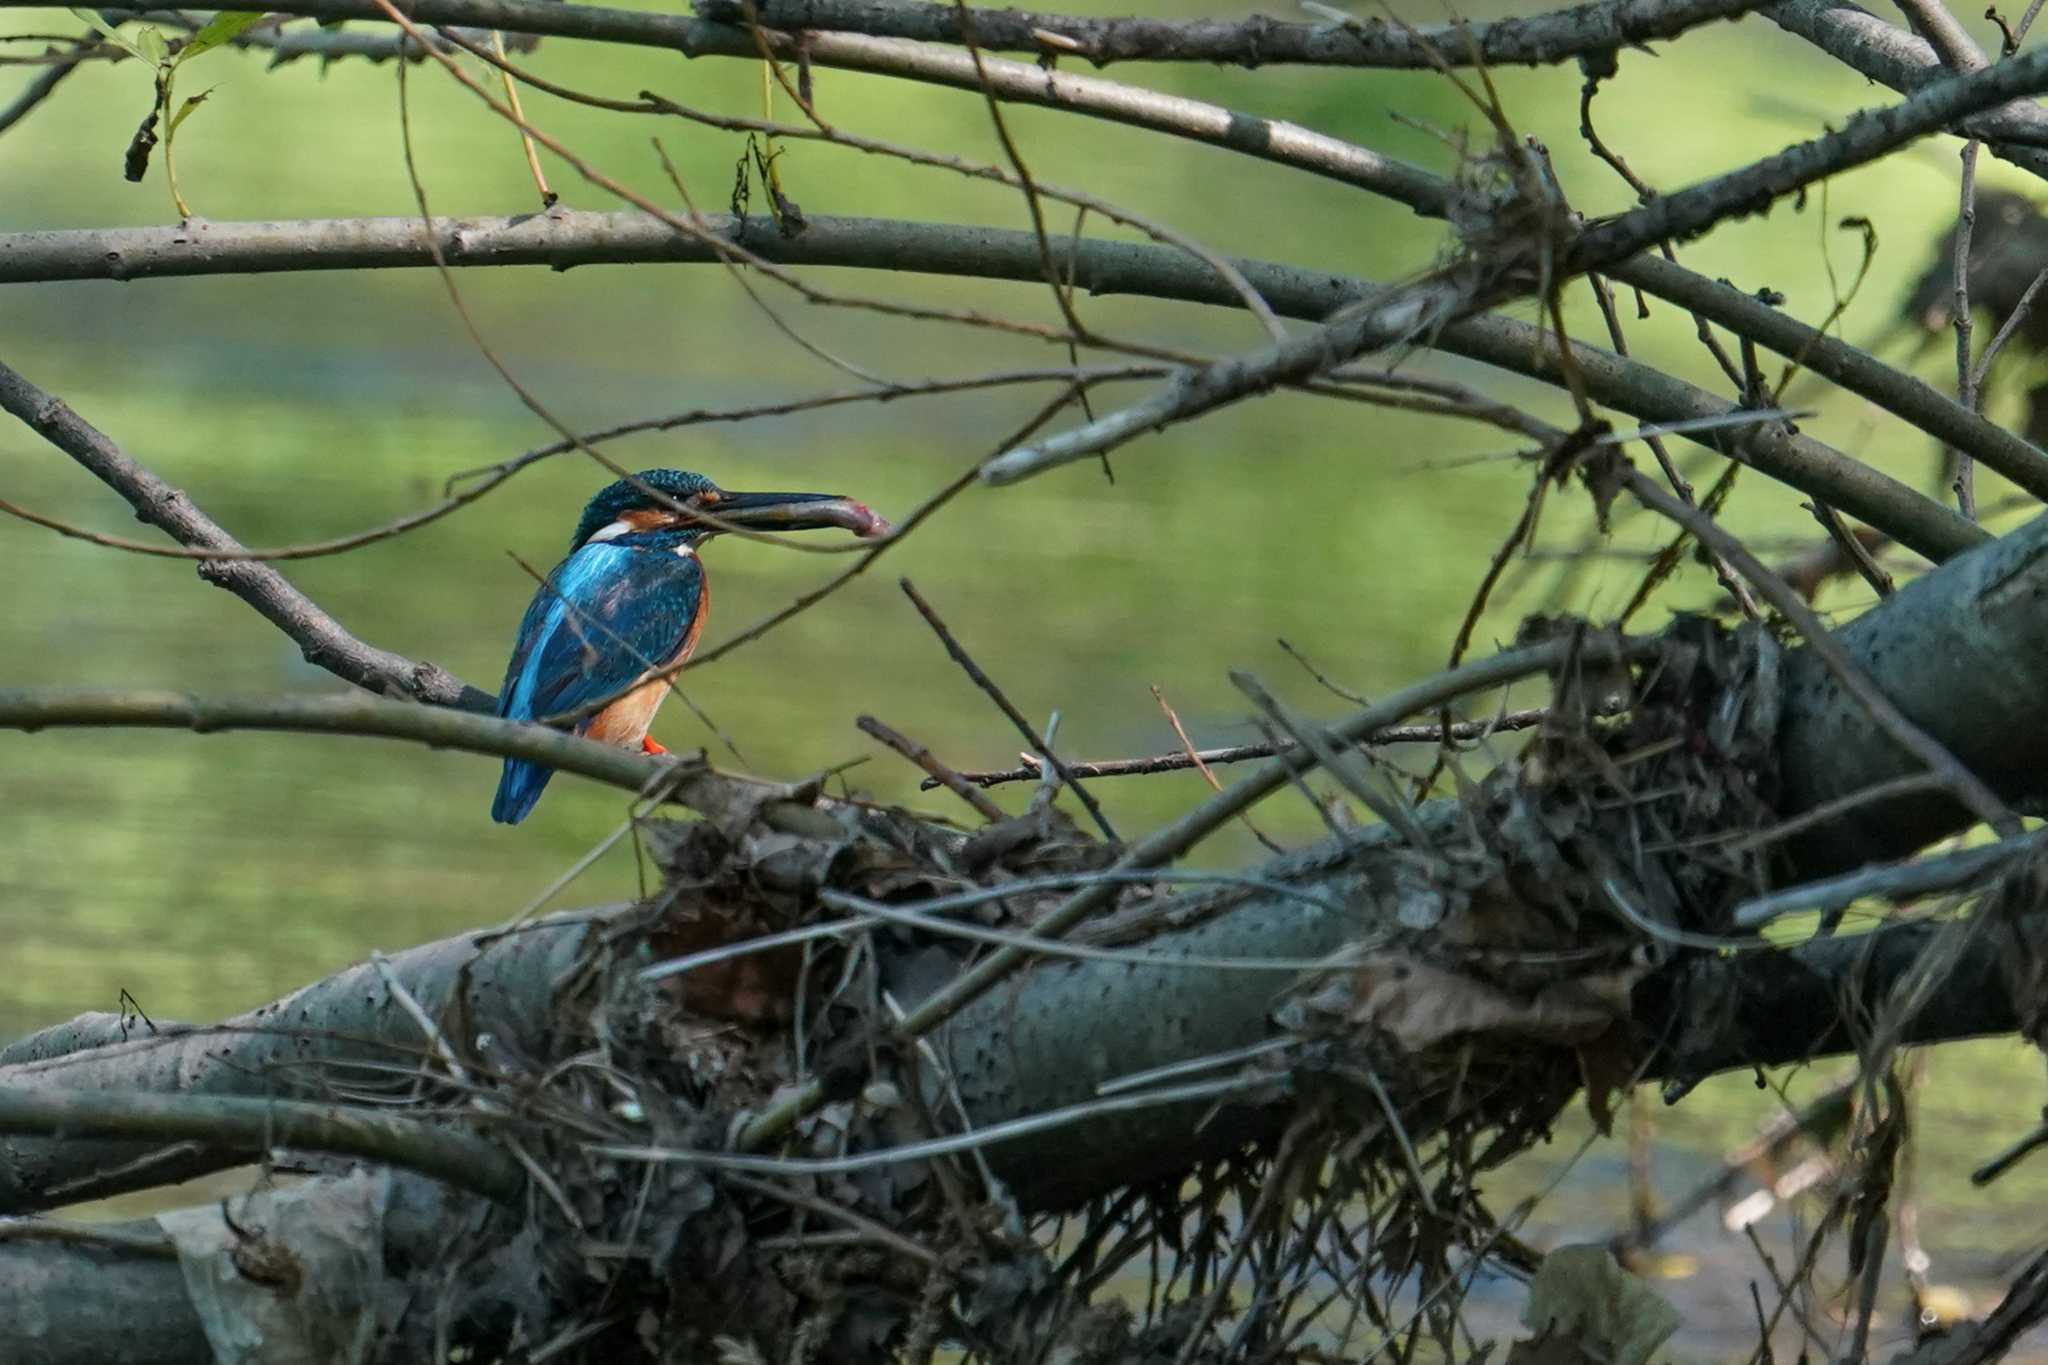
[
  {"x": 224, "y": 27},
  {"x": 185, "y": 111},
  {"x": 92, "y": 16},
  {"x": 151, "y": 46},
  {"x": 108, "y": 32}
]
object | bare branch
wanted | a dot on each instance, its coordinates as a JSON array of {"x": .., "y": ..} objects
[
  {"x": 253, "y": 1127},
  {"x": 1259, "y": 41},
  {"x": 563, "y": 239},
  {"x": 1891, "y": 56},
  {"x": 1959, "y": 51},
  {"x": 1895, "y": 391},
  {"x": 1869, "y": 135},
  {"x": 1418, "y": 309},
  {"x": 46, "y": 82},
  {"x": 319, "y": 636}
]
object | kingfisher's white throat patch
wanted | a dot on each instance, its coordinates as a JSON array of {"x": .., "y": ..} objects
[{"x": 622, "y": 527}]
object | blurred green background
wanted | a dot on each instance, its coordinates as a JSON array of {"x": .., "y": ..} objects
[{"x": 205, "y": 875}]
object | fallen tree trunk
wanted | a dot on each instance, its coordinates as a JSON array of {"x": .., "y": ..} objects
[{"x": 1448, "y": 933}]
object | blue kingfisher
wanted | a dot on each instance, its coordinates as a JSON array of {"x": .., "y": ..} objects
[{"x": 624, "y": 610}]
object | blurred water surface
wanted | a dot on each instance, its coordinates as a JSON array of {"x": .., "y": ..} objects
[{"x": 207, "y": 874}]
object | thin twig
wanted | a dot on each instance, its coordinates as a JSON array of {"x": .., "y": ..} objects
[
  {"x": 940, "y": 773},
  {"x": 1039, "y": 946},
  {"x": 1164, "y": 845},
  {"x": 995, "y": 694},
  {"x": 987, "y": 1136},
  {"x": 485, "y": 479},
  {"x": 2013, "y": 322},
  {"x": 1187, "y": 748},
  {"x": 1462, "y": 731},
  {"x": 1966, "y": 374},
  {"x": 1897, "y": 882},
  {"x": 1332, "y": 759},
  {"x": 1852, "y": 549},
  {"x": 45, "y": 84},
  {"x": 540, "y": 179},
  {"x": 1342, "y": 692}
]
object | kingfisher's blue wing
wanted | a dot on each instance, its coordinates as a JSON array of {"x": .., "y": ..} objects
[{"x": 608, "y": 615}]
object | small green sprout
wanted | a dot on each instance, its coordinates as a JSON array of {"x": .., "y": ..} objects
[{"x": 148, "y": 44}]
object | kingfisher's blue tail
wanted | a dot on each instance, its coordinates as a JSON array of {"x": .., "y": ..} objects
[{"x": 518, "y": 789}]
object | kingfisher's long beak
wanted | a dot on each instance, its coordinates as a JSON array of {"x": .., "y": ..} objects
[{"x": 798, "y": 512}]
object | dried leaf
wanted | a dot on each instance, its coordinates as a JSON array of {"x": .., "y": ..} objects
[{"x": 1420, "y": 1005}]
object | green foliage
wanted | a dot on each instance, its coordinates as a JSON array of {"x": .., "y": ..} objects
[
  {"x": 185, "y": 111},
  {"x": 149, "y": 45},
  {"x": 224, "y": 27}
]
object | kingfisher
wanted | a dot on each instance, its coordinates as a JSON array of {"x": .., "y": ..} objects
[{"x": 625, "y": 608}]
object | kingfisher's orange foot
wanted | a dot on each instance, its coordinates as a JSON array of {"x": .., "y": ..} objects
[{"x": 648, "y": 746}]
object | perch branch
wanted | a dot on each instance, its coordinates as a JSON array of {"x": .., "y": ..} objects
[{"x": 352, "y": 713}]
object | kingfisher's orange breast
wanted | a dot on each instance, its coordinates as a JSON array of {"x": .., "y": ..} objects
[{"x": 626, "y": 721}]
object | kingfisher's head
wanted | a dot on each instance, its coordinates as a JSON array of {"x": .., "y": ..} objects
[{"x": 673, "y": 507}]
